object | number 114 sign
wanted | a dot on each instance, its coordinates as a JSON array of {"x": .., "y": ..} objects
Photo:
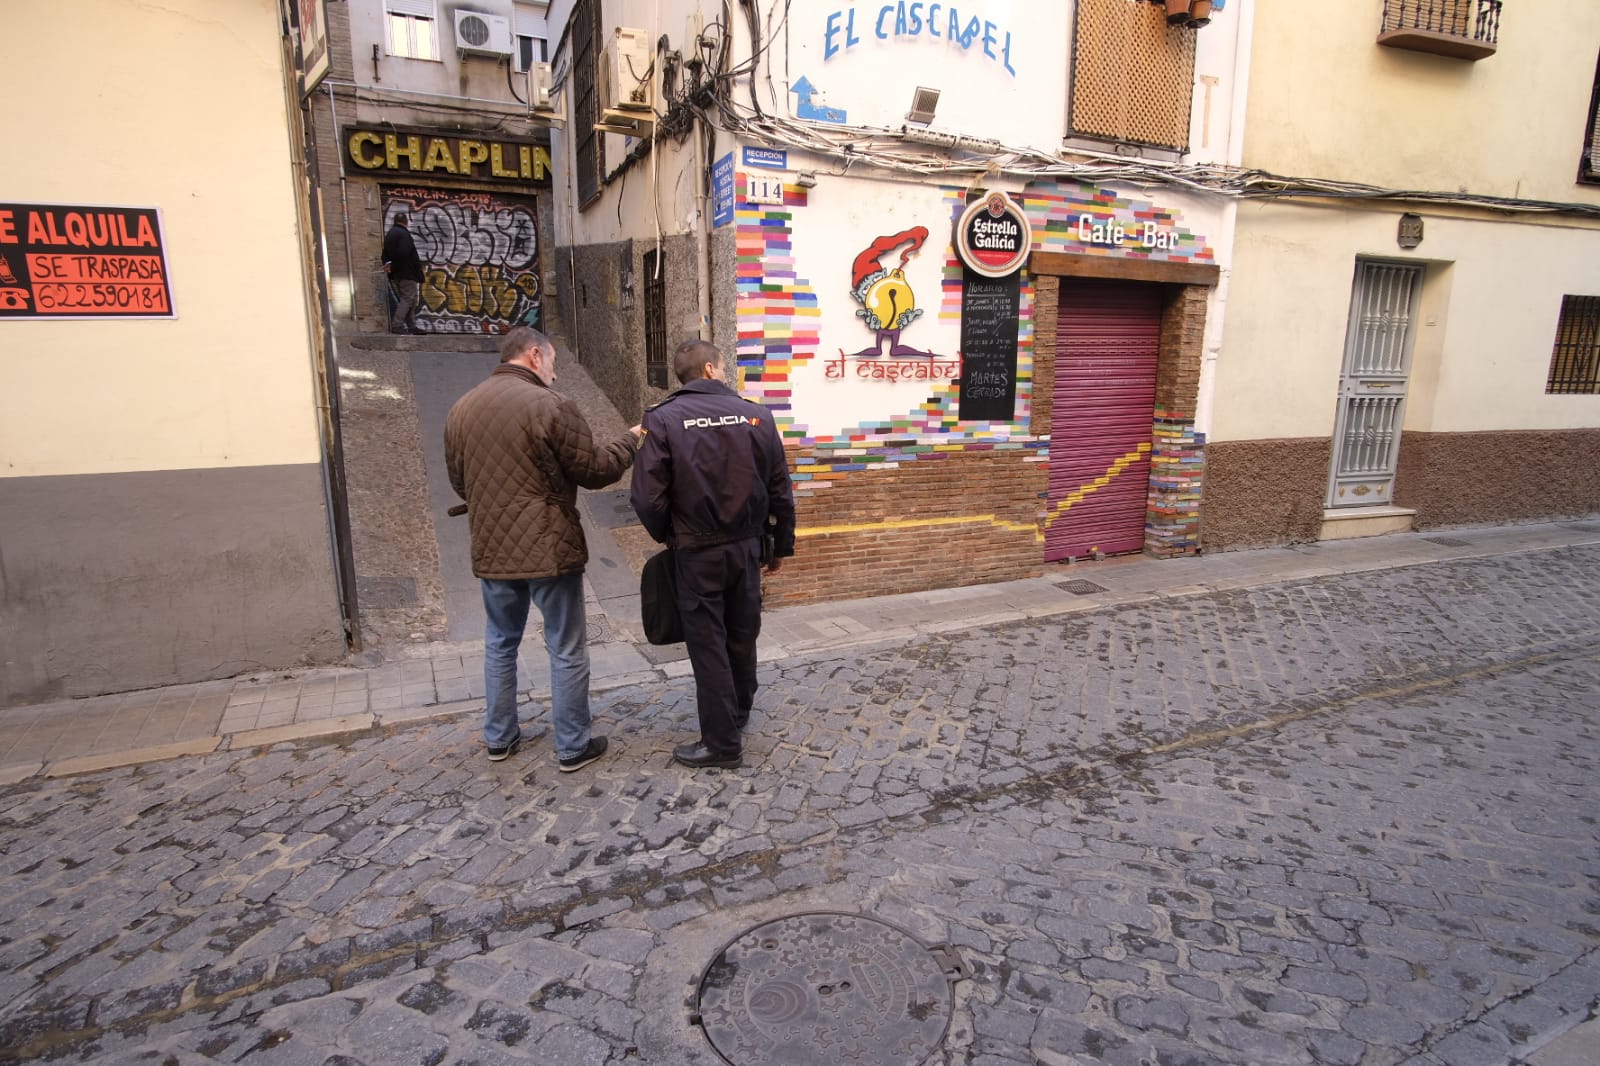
[{"x": 764, "y": 188}]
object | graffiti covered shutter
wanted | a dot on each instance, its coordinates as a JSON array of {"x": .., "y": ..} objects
[
  {"x": 1108, "y": 337},
  {"x": 480, "y": 257}
]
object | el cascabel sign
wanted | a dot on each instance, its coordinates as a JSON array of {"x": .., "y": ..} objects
[{"x": 911, "y": 19}]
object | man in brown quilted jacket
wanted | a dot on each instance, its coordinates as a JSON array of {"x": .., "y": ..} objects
[{"x": 517, "y": 451}]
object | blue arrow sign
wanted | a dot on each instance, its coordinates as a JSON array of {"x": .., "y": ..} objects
[{"x": 806, "y": 109}]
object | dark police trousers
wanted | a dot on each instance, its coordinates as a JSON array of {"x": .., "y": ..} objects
[{"x": 719, "y": 599}]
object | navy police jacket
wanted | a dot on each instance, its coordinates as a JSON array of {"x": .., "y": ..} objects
[{"x": 711, "y": 469}]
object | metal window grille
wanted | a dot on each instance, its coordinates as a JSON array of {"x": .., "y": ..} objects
[
  {"x": 1575, "y": 362},
  {"x": 1132, "y": 74},
  {"x": 1478, "y": 20},
  {"x": 591, "y": 157},
  {"x": 655, "y": 320}
]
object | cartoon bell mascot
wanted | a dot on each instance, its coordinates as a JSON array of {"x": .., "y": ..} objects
[{"x": 887, "y": 302}]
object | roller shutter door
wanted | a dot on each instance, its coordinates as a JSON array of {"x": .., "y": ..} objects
[{"x": 1108, "y": 338}]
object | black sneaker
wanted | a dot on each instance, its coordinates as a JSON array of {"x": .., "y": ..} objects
[
  {"x": 596, "y": 748},
  {"x": 497, "y": 754}
]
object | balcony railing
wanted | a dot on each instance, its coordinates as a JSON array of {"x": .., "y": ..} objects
[{"x": 1464, "y": 29}]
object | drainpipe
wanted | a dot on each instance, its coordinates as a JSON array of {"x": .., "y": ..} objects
[
  {"x": 702, "y": 232},
  {"x": 344, "y": 210},
  {"x": 309, "y": 230}
]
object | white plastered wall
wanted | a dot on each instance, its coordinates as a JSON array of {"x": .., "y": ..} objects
[
  {"x": 1330, "y": 102},
  {"x": 155, "y": 123},
  {"x": 1485, "y": 330}
]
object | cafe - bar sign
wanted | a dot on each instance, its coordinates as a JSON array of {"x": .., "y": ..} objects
[
  {"x": 69, "y": 261},
  {"x": 992, "y": 236}
]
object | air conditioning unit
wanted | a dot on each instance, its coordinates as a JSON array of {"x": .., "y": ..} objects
[
  {"x": 625, "y": 75},
  {"x": 539, "y": 88},
  {"x": 478, "y": 34}
]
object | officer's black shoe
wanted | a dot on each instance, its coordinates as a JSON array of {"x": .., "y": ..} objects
[{"x": 697, "y": 755}]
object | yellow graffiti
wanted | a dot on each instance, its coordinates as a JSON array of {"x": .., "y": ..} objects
[
  {"x": 477, "y": 290},
  {"x": 1094, "y": 486}
]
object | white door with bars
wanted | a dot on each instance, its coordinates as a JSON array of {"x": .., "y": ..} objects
[{"x": 1372, "y": 385}]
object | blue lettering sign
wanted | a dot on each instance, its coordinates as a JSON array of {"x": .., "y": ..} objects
[
  {"x": 771, "y": 158},
  {"x": 722, "y": 191},
  {"x": 912, "y": 19}
]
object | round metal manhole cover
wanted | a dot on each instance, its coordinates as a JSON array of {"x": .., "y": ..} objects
[{"x": 826, "y": 987}]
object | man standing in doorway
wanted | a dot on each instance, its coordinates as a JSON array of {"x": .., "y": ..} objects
[
  {"x": 517, "y": 451},
  {"x": 712, "y": 482},
  {"x": 404, "y": 267}
]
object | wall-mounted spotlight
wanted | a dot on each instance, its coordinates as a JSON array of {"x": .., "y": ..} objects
[
  {"x": 805, "y": 179},
  {"x": 923, "y": 101}
]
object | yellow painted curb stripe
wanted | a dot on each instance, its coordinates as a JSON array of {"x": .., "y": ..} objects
[
  {"x": 1098, "y": 483},
  {"x": 914, "y": 523}
]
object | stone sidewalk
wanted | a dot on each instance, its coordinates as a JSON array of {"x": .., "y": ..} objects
[
  {"x": 1317, "y": 807},
  {"x": 445, "y": 680}
]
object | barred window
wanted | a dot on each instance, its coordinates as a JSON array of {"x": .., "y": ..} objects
[
  {"x": 655, "y": 320},
  {"x": 1575, "y": 363},
  {"x": 1589, "y": 167},
  {"x": 585, "y": 100},
  {"x": 1132, "y": 74}
]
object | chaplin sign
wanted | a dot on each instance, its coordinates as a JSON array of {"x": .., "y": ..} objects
[{"x": 992, "y": 236}]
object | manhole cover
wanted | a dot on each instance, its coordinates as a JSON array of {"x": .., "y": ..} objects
[
  {"x": 1446, "y": 542},
  {"x": 825, "y": 987},
  {"x": 1080, "y": 587}
]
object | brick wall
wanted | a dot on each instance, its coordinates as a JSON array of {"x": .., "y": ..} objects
[
  {"x": 1183, "y": 327},
  {"x": 949, "y": 519},
  {"x": 1177, "y": 455},
  {"x": 1046, "y": 307}
]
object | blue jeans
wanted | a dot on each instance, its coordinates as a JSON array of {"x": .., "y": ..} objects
[{"x": 560, "y": 602}]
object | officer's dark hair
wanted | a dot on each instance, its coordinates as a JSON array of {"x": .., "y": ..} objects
[
  {"x": 520, "y": 340},
  {"x": 402, "y": 219},
  {"x": 691, "y": 357}
]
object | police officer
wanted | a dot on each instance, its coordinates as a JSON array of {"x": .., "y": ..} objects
[{"x": 711, "y": 481}]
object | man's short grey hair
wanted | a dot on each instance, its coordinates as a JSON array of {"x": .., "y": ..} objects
[
  {"x": 520, "y": 340},
  {"x": 690, "y": 358}
]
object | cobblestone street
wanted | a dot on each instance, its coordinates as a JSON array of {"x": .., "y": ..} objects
[{"x": 1344, "y": 820}]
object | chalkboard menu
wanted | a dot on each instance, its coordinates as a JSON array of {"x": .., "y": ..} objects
[{"x": 989, "y": 309}]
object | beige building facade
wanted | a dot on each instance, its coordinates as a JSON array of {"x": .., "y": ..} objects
[
  {"x": 163, "y": 514},
  {"x": 1410, "y": 339}
]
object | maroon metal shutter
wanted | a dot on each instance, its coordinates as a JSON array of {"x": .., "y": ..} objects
[{"x": 1108, "y": 337}]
